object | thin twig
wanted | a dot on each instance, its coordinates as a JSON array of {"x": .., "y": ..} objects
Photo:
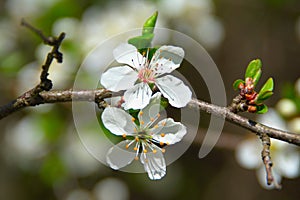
[
  {"x": 246, "y": 123},
  {"x": 265, "y": 155}
]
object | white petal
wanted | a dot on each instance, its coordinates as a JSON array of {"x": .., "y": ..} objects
[
  {"x": 174, "y": 90},
  {"x": 128, "y": 54},
  {"x": 118, "y": 156},
  {"x": 166, "y": 59},
  {"x": 137, "y": 97},
  {"x": 248, "y": 154},
  {"x": 150, "y": 112},
  {"x": 168, "y": 131},
  {"x": 119, "y": 78},
  {"x": 117, "y": 121},
  {"x": 154, "y": 164},
  {"x": 288, "y": 162}
]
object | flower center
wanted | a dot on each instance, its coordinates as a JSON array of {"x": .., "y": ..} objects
[{"x": 146, "y": 75}]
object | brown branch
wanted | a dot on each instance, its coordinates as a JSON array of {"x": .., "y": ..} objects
[
  {"x": 265, "y": 155},
  {"x": 246, "y": 123}
]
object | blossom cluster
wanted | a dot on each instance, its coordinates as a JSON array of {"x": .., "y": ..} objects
[{"x": 144, "y": 81}]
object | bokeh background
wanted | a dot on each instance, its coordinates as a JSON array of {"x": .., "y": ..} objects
[{"x": 41, "y": 154}]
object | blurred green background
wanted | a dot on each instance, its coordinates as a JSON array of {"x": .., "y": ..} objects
[{"x": 41, "y": 154}]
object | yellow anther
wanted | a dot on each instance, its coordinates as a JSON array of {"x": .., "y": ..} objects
[
  {"x": 156, "y": 126},
  {"x": 162, "y": 135},
  {"x": 168, "y": 143},
  {"x": 154, "y": 150},
  {"x": 133, "y": 119},
  {"x": 163, "y": 150},
  {"x": 141, "y": 112},
  {"x": 127, "y": 146},
  {"x": 136, "y": 158},
  {"x": 135, "y": 148},
  {"x": 161, "y": 143},
  {"x": 158, "y": 115},
  {"x": 124, "y": 135},
  {"x": 137, "y": 139},
  {"x": 163, "y": 123},
  {"x": 142, "y": 122},
  {"x": 135, "y": 130},
  {"x": 151, "y": 119},
  {"x": 145, "y": 151}
]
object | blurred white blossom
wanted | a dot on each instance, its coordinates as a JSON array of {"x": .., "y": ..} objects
[{"x": 285, "y": 157}]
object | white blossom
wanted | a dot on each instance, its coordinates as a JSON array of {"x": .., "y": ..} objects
[
  {"x": 144, "y": 141},
  {"x": 138, "y": 73}
]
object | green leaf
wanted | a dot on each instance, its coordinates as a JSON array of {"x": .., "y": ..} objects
[
  {"x": 237, "y": 83},
  {"x": 261, "y": 109},
  {"x": 141, "y": 42},
  {"x": 149, "y": 25},
  {"x": 265, "y": 92},
  {"x": 144, "y": 41},
  {"x": 254, "y": 70},
  {"x": 262, "y": 97},
  {"x": 267, "y": 87}
]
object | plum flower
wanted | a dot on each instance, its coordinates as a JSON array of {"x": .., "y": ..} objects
[
  {"x": 143, "y": 141},
  {"x": 286, "y": 158},
  {"x": 138, "y": 73}
]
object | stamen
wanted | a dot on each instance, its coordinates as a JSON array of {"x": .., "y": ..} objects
[
  {"x": 142, "y": 122},
  {"x": 137, "y": 138},
  {"x": 158, "y": 115},
  {"x": 154, "y": 151},
  {"x": 124, "y": 135},
  {"x": 162, "y": 134},
  {"x": 141, "y": 113},
  {"x": 161, "y": 143},
  {"x": 163, "y": 150},
  {"x": 156, "y": 126},
  {"x": 163, "y": 123},
  {"x": 145, "y": 151},
  {"x": 136, "y": 158},
  {"x": 151, "y": 119},
  {"x": 132, "y": 119}
]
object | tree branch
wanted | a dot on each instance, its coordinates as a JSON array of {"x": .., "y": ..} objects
[{"x": 246, "y": 123}]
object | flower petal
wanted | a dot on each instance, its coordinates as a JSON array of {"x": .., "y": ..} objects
[
  {"x": 154, "y": 164},
  {"x": 118, "y": 156},
  {"x": 174, "y": 90},
  {"x": 128, "y": 54},
  {"x": 137, "y": 97},
  {"x": 150, "y": 113},
  {"x": 288, "y": 162},
  {"x": 117, "y": 121},
  {"x": 119, "y": 78},
  {"x": 166, "y": 59},
  {"x": 168, "y": 131},
  {"x": 248, "y": 154}
]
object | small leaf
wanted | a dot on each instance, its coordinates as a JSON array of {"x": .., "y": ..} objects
[
  {"x": 261, "y": 109},
  {"x": 149, "y": 25},
  {"x": 141, "y": 42},
  {"x": 267, "y": 87},
  {"x": 254, "y": 70},
  {"x": 256, "y": 77},
  {"x": 262, "y": 97},
  {"x": 237, "y": 83}
]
